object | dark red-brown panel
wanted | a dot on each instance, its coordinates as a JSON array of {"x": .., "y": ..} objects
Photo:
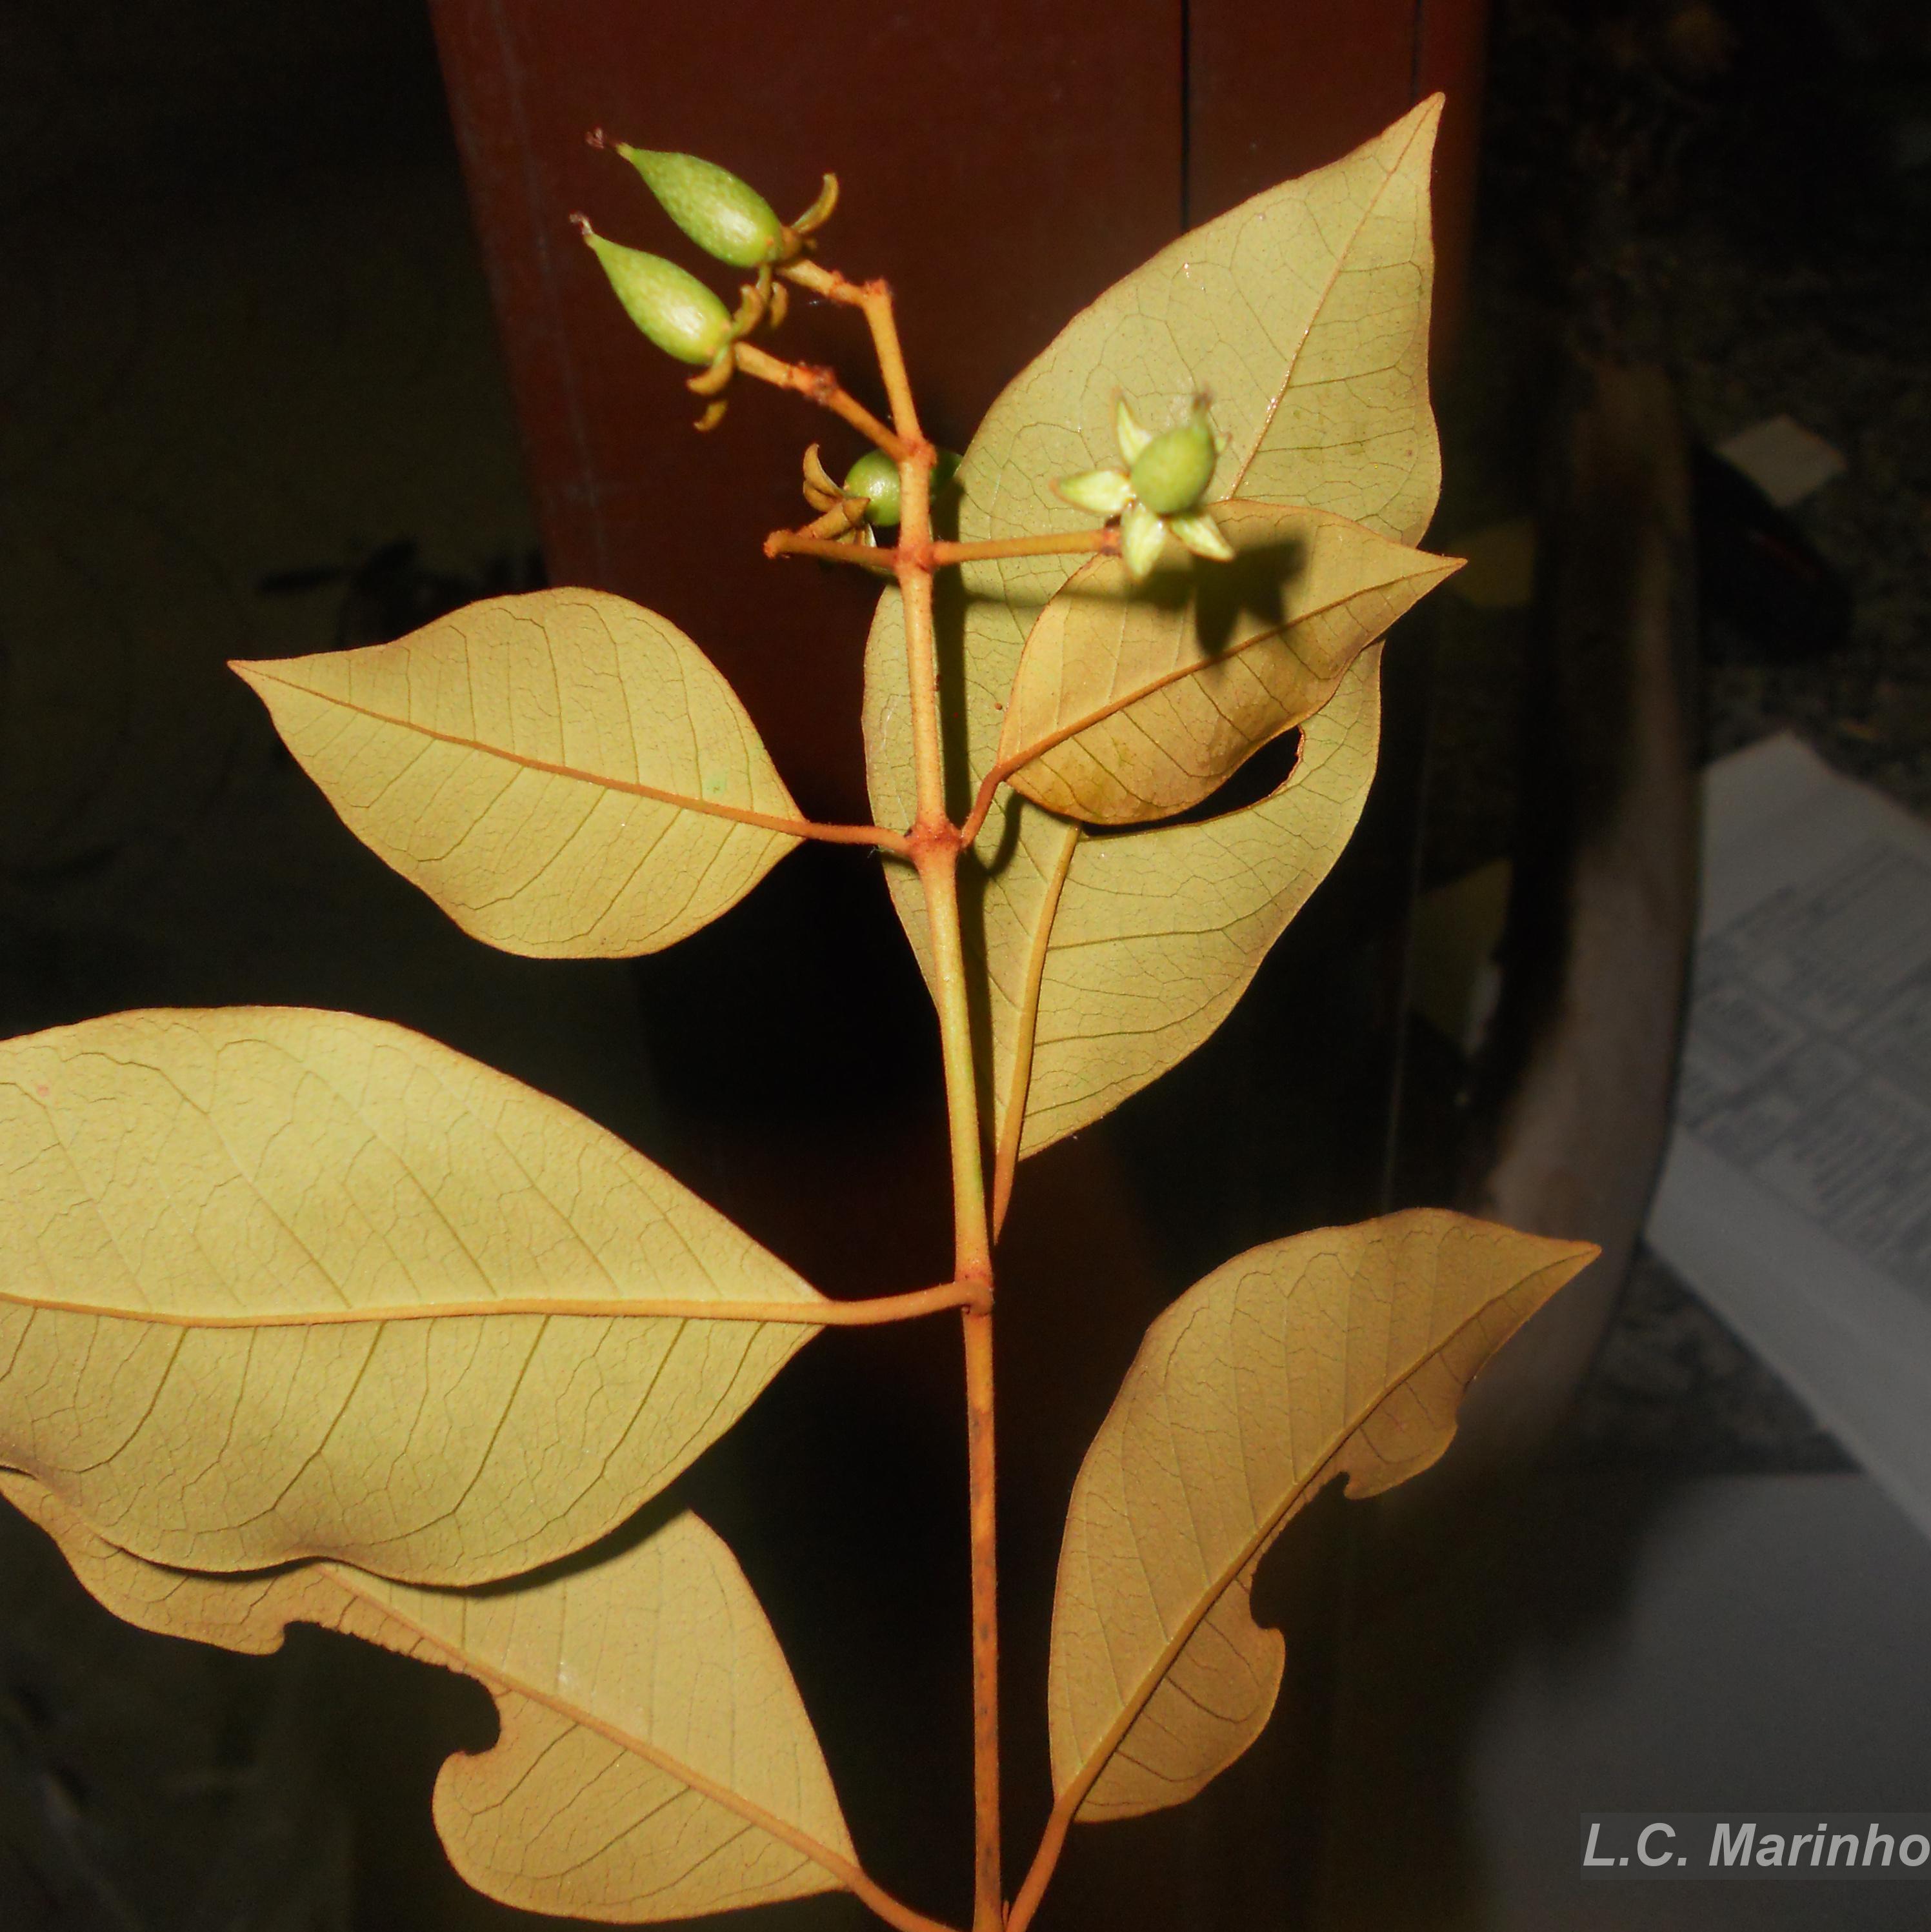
[{"x": 1001, "y": 165}]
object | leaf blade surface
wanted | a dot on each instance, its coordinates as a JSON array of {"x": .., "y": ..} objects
[
  {"x": 278, "y": 1283},
  {"x": 1343, "y": 1352},
  {"x": 1135, "y": 701},
  {"x": 654, "y": 1761},
  {"x": 1321, "y": 257},
  {"x": 1106, "y": 961},
  {"x": 564, "y": 772}
]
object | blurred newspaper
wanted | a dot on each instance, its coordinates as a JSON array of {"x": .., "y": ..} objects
[{"x": 1796, "y": 1195}]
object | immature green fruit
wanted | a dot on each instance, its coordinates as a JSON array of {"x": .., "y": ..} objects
[
  {"x": 725, "y": 217},
  {"x": 673, "y": 308},
  {"x": 874, "y": 476},
  {"x": 1170, "y": 473}
]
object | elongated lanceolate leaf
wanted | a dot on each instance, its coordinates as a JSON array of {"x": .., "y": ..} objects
[
  {"x": 276, "y": 1283},
  {"x": 1344, "y": 1352},
  {"x": 1305, "y": 311},
  {"x": 565, "y": 773},
  {"x": 1135, "y": 700},
  {"x": 654, "y": 1760}
]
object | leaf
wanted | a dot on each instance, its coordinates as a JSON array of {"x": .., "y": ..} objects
[
  {"x": 277, "y": 1283},
  {"x": 1135, "y": 701},
  {"x": 654, "y": 1760},
  {"x": 1343, "y": 1352},
  {"x": 1154, "y": 937},
  {"x": 1305, "y": 312},
  {"x": 565, "y": 773}
]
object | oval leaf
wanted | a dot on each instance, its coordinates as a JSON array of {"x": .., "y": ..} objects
[
  {"x": 654, "y": 1759},
  {"x": 1135, "y": 701},
  {"x": 1344, "y": 1352},
  {"x": 565, "y": 773},
  {"x": 276, "y": 1283}
]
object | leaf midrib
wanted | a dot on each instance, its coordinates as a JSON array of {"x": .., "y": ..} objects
[
  {"x": 795, "y": 828},
  {"x": 809, "y": 1309}
]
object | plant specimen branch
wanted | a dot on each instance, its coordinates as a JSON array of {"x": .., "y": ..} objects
[
  {"x": 305, "y": 1317},
  {"x": 821, "y": 387},
  {"x": 935, "y": 852}
]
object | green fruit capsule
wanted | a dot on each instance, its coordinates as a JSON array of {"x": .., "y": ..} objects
[
  {"x": 723, "y": 216},
  {"x": 674, "y": 309},
  {"x": 874, "y": 476},
  {"x": 1170, "y": 473}
]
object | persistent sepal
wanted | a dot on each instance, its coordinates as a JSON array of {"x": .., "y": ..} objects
[
  {"x": 1101, "y": 492},
  {"x": 1128, "y": 430},
  {"x": 1142, "y": 537},
  {"x": 1202, "y": 535}
]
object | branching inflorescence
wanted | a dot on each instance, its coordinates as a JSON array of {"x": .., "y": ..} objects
[{"x": 305, "y": 1317}]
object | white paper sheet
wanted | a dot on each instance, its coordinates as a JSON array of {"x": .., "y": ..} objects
[{"x": 1796, "y": 1196}]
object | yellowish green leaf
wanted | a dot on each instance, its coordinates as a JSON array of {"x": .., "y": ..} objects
[
  {"x": 1344, "y": 1352},
  {"x": 1135, "y": 700},
  {"x": 277, "y": 1283},
  {"x": 565, "y": 773},
  {"x": 1305, "y": 312},
  {"x": 654, "y": 1760},
  {"x": 1106, "y": 961},
  {"x": 1097, "y": 989}
]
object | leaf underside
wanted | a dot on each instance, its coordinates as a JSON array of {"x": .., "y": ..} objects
[
  {"x": 278, "y": 1283},
  {"x": 1136, "y": 701},
  {"x": 1305, "y": 313},
  {"x": 1342, "y": 1352},
  {"x": 654, "y": 1760},
  {"x": 561, "y": 772}
]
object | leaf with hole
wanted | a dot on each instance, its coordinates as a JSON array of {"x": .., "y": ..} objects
[
  {"x": 1136, "y": 701},
  {"x": 1306, "y": 311},
  {"x": 1343, "y": 1352},
  {"x": 277, "y": 1283},
  {"x": 565, "y": 773},
  {"x": 654, "y": 1760}
]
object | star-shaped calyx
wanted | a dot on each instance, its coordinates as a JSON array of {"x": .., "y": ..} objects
[{"x": 1159, "y": 490}]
